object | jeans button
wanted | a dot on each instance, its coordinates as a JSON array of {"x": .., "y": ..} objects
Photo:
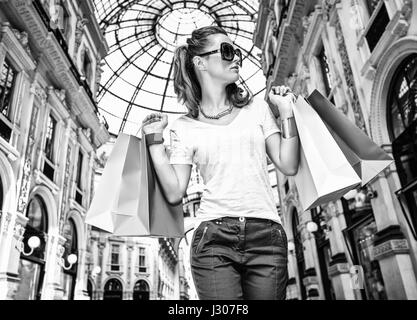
[{"x": 241, "y": 219}]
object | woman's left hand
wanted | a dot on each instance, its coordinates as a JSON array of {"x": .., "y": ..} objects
[{"x": 283, "y": 98}]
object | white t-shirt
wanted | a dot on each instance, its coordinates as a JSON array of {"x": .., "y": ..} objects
[{"x": 232, "y": 162}]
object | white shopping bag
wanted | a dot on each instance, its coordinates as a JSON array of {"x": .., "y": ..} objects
[{"x": 324, "y": 173}]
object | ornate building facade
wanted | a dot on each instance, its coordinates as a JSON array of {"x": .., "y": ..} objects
[
  {"x": 363, "y": 56},
  {"x": 50, "y": 129}
]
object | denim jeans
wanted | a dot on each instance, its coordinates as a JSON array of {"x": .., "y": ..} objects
[{"x": 239, "y": 258}]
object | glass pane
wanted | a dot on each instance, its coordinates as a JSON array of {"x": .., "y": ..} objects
[
  {"x": 7, "y": 79},
  {"x": 142, "y": 37},
  {"x": 50, "y": 134},
  {"x": 36, "y": 214},
  {"x": 67, "y": 281},
  {"x": 29, "y": 274},
  {"x": 364, "y": 237}
]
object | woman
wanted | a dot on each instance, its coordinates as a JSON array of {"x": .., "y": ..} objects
[{"x": 239, "y": 249}]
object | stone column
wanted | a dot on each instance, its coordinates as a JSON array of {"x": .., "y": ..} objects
[
  {"x": 129, "y": 271},
  {"x": 80, "y": 290},
  {"x": 310, "y": 280},
  {"x": 338, "y": 266},
  {"x": 340, "y": 278},
  {"x": 11, "y": 233},
  {"x": 292, "y": 288},
  {"x": 100, "y": 286},
  {"x": 391, "y": 248},
  {"x": 53, "y": 270}
]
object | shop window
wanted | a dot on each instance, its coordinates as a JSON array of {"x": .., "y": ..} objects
[
  {"x": 113, "y": 290},
  {"x": 31, "y": 268},
  {"x": 323, "y": 252},
  {"x": 363, "y": 238},
  {"x": 402, "y": 127},
  {"x": 7, "y": 83},
  {"x": 71, "y": 247},
  {"x": 141, "y": 290},
  {"x": 90, "y": 289}
]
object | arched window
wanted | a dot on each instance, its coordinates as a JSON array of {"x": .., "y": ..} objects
[
  {"x": 299, "y": 253},
  {"x": 90, "y": 289},
  {"x": 141, "y": 291},
  {"x": 113, "y": 290},
  {"x": 402, "y": 127},
  {"x": 31, "y": 268},
  {"x": 71, "y": 247},
  {"x": 1, "y": 196}
]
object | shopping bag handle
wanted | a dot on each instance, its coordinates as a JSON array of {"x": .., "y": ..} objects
[{"x": 140, "y": 128}]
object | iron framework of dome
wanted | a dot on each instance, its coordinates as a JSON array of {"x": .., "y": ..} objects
[{"x": 142, "y": 36}]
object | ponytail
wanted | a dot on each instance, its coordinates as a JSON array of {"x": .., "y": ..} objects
[{"x": 186, "y": 85}]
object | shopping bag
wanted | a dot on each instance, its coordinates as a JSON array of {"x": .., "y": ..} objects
[
  {"x": 123, "y": 203},
  {"x": 166, "y": 219},
  {"x": 365, "y": 156},
  {"x": 324, "y": 173}
]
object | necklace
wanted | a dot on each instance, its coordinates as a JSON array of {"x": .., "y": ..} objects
[{"x": 217, "y": 116}]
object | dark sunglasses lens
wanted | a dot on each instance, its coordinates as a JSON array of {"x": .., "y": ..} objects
[
  {"x": 239, "y": 54},
  {"x": 228, "y": 52}
]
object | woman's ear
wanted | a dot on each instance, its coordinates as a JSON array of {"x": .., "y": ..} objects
[{"x": 199, "y": 63}]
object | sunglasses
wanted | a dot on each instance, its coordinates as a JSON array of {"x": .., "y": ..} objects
[{"x": 227, "y": 52}]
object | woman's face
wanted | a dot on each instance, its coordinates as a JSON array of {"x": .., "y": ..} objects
[{"x": 225, "y": 71}]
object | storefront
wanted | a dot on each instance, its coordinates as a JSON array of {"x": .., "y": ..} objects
[
  {"x": 299, "y": 254},
  {"x": 70, "y": 271},
  {"x": 323, "y": 252},
  {"x": 32, "y": 259},
  {"x": 113, "y": 290},
  {"x": 141, "y": 290},
  {"x": 359, "y": 236},
  {"x": 402, "y": 128}
]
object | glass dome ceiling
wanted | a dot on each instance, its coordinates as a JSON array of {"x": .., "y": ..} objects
[{"x": 142, "y": 36}]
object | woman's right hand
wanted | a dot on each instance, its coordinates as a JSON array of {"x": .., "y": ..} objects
[{"x": 154, "y": 123}]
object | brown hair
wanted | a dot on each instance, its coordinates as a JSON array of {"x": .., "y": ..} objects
[{"x": 186, "y": 84}]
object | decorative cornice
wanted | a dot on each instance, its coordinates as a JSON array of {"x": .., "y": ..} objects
[
  {"x": 313, "y": 33},
  {"x": 391, "y": 248},
  {"x": 38, "y": 91},
  {"x": 338, "y": 269},
  {"x": 16, "y": 42},
  {"x": 348, "y": 75}
]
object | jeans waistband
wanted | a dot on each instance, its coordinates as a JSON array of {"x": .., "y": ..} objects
[{"x": 247, "y": 219}]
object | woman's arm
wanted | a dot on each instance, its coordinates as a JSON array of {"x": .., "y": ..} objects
[
  {"x": 284, "y": 152},
  {"x": 174, "y": 178}
]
